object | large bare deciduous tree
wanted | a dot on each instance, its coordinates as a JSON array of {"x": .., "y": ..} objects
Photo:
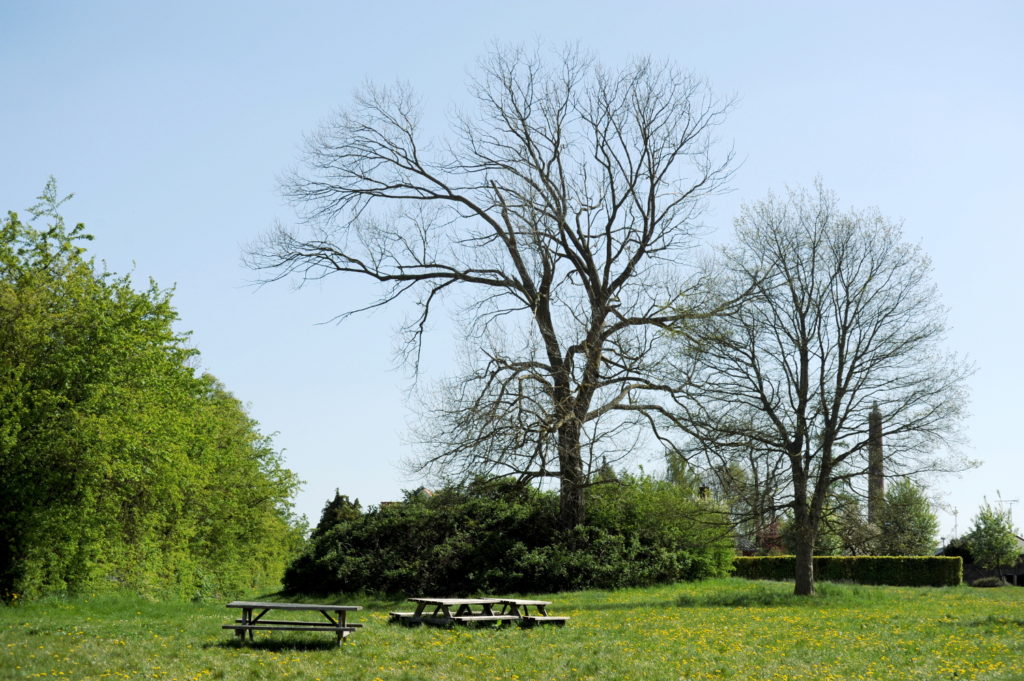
[
  {"x": 554, "y": 218},
  {"x": 843, "y": 316}
]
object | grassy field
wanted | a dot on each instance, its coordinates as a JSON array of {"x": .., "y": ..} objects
[{"x": 722, "y": 629}]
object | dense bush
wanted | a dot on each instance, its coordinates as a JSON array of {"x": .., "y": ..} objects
[
  {"x": 891, "y": 570},
  {"x": 497, "y": 536}
]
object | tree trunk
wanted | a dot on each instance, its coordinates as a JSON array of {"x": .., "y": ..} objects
[
  {"x": 804, "y": 566},
  {"x": 806, "y": 534},
  {"x": 573, "y": 482}
]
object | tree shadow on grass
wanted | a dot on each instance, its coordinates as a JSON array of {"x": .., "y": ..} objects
[
  {"x": 995, "y": 621},
  {"x": 630, "y": 605},
  {"x": 278, "y": 645},
  {"x": 776, "y": 595}
]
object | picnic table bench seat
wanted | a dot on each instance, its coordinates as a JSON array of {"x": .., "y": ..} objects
[
  {"x": 533, "y": 620},
  {"x": 484, "y": 619},
  {"x": 305, "y": 624},
  {"x": 290, "y": 626},
  {"x": 335, "y": 624}
]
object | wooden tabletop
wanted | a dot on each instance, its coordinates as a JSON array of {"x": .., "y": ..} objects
[
  {"x": 521, "y": 601},
  {"x": 290, "y": 606},
  {"x": 456, "y": 601}
]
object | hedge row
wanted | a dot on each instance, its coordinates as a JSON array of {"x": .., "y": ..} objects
[{"x": 890, "y": 570}]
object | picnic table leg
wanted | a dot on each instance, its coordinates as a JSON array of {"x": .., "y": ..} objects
[{"x": 246, "y": 619}]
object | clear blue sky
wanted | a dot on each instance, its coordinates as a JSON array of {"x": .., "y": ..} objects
[{"x": 171, "y": 121}]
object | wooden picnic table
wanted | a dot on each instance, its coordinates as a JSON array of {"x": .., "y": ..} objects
[
  {"x": 334, "y": 614},
  {"x": 520, "y": 607},
  {"x": 449, "y": 611}
]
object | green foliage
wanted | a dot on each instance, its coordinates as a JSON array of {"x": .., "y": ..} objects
[
  {"x": 828, "y": 541},
  {"x": 855, "y": 535},
  {"x": 957, "y": 546},
  {"x": 678, "y": 471},
  {"x": 890, "y": 570},
  {"x": 497, "y": 536},
  {"x": 991, "y": 540},
  {"x": 906, "y": 524},
  {"x": 121, "y": 467},
  {"x": 338, "y": 510},
  {"x": 989, "y": 582}
]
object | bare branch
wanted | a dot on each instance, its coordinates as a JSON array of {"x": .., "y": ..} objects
[{"x": 560, "y": 208}]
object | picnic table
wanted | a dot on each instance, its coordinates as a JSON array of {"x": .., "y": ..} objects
[
  {"x": 334, "y": 615},
  {"x": 447, "y": 612},
  {"x": 520, "y": 607}
]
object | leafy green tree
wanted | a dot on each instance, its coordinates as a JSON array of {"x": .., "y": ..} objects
[
  {"x": 678, "y": 471},
  {"x": 992, "y": 539},
  {"x": 121, "y": 467},
  {"x": 338, "y": 510},
  {"x": 906, "y": 524},
  {"x": 847, "y": 521}
]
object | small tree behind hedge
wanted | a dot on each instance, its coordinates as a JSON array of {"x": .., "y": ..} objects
[
  {"x": 907, "y": 526},
  {"x": 992, "y": 540}
]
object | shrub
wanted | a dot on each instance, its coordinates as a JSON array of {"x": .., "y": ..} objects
[
  {"x": 988, "y": 582},
  {"x": 500, "y": 537},
  {"x": 890, "y": 570}
]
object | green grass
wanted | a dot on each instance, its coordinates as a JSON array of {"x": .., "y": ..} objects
[{"x": 721, "y": 629}]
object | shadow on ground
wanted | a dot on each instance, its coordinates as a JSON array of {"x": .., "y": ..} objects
[
  {"x": 632, "y": 605},
  {"x": 772, "y": 596},
  {"x": 279, "y": 645},
  {"x": 995, "y": 621}
]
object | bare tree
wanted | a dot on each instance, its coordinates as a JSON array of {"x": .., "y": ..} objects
[
  {"x": 555, "y": 217},
  {"x": 843, "y": 316}
]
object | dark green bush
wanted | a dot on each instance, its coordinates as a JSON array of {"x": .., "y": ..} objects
[
  {"x": 890, "y": 570},
  {"x": 500, "y": 537},
  {"x": 989, "y": 582}
]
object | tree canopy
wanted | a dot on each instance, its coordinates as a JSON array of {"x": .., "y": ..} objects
[
  {"x": 842, "y": 315},
  {"x": 121, "y": 466},
  {"x": 907, "y": 525},
  {"x": 992, "y": 540},
  {"x": 554, "y": 218}
]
